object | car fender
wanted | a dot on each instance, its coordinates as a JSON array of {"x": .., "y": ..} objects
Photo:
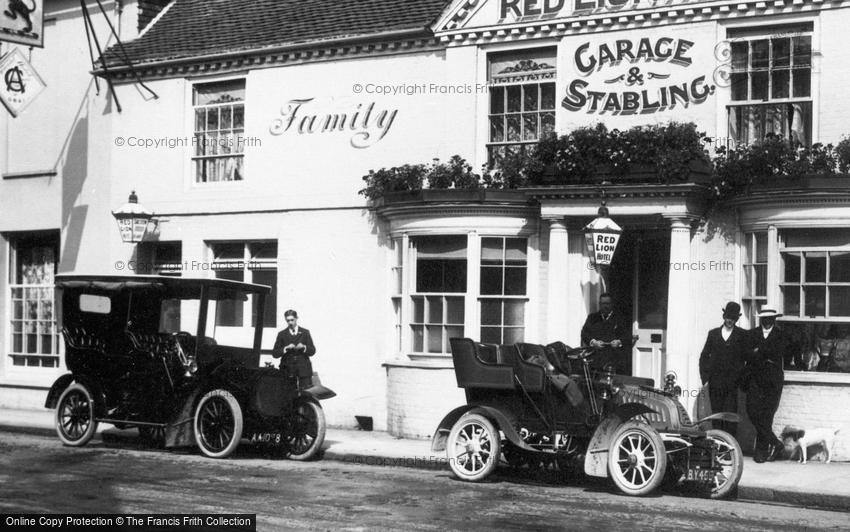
[
  {"x": 721, "y": 416},
  {"x": 56, "y": 390},
  {"x": 596, "y": 458},
  {"x": 319, "y": 392},
  {"x": 441, "y": 435},
  {"x": 62, "y": 384},
  {"x": 180, "y": 429}
]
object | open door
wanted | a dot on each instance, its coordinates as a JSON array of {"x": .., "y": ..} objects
[{"x": 649, "y": 308}]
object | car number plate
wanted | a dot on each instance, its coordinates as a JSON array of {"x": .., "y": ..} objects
[{"x": 700, "y": 475}]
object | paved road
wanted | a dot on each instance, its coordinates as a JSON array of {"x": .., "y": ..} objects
[{"x": 39, "y": 475}]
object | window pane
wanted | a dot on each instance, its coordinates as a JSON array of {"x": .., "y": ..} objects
[
  {"x": 219, "y": 92},
  {"x": 268, "y": 278},
  {"x": 452, "y": 332},
  {"x": 455, "y": 276},
  {"x": 497, "y": 100},
  {"x": 491, "y": 281},
  {"x": 759, "y": 54},
  {"x": 547, "y": 123},
  {"x": 515, "y": 281},
  {"x": 513, "y": 128},
  {"x": 491, "y": 335},
  {"x": 454, "y": 310},
  {"x": 803, "y": 50},
  {"x": 781, "y": 52},
  {"x": 740, "y": 51},
  {"x": 759, "y": 80},
  {"x": 434, "y": 336},
  {"x": 514, "y": 312},
  {"x": 238, "y": 117},
  {"x": 761, "y": 280},
  {"x": 761, "y": 247},
  {"x": 547, "y": 95},
  {"x": 435, "y": 309},
  {"x": 839, "y": 300},
  {"x": 792, "y": 267},
  {"x": 418, "y": 338},
  {"x": 529, "y": 126},
  {"x": 839, "y": 267},
  {"x": 491, "y": 312},
  {"x": 780, "y": 84},
  {"x": 530, "y": 97},
  {"x": 748, "y": 281},
  {"x": 492, "y": 250},
  {"x": 228, "y": 312},
  {"x": 418, "y": 310},
  {"x": 815, "y": 300},
  {"x": 497, "y": 128},
  {"x": 815, "y": 267},
  {"x": 514, "y": 335},
  {"x": 514, "y": 99},
  {"x": 516, "y": 251},
  {"x": 802, "y": 83},
  {"x": 739, "y": 86}
]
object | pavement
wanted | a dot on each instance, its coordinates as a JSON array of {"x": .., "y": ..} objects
[{"x": 814, "y": 485}]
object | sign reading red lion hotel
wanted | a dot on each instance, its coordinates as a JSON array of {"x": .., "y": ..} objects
[{"x": 529, "y": 9}]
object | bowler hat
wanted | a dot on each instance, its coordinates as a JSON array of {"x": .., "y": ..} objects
[
  {"x": 732, "y": 311},
  {"x": 768, "y": 312}
]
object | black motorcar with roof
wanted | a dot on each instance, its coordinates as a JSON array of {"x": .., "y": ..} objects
[{"x": 146, "y": 352}]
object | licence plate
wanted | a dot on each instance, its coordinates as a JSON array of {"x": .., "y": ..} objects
[{"x": 700, "y": 475}]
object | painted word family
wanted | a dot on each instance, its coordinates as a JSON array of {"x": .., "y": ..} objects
[
  {"x": 368, "y": 125},
  {"x": 642, "y": 62}
]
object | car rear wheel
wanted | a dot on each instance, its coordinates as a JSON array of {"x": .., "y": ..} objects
[
  {"x": 306, "y": 433},
  {"x": 730, "y": 459},
  {"x": 637, "y": 460},
  {"x": 473, "y": 448},
  {"x": 218, "y": 424},
  {"x": 75, "y": 422}
]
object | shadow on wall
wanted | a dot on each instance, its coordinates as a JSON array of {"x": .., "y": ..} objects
[{"x": 74, "y": 173}]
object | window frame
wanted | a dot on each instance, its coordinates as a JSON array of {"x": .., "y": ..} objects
[
  {"x": 191, "y": 177},
  {"x": 752, "y": 34},
  {"x": 245, "y": 267},
  {"x": 752, "y": 302},
  {"x": 503, "y": 298}
]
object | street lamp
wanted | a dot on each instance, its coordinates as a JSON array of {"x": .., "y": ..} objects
[
  {"x": 133, "y": 220},
  {"x": 601, "y": 236}
]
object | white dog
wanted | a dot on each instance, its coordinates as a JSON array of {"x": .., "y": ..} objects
[{"x": 796, "y": 438}]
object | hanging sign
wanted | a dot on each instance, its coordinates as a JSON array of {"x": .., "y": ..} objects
[
  {"x": 22, "y": 22},
  {"x": 20, "y": 84}
]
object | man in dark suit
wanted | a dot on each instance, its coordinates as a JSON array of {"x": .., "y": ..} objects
[
  {"x": 606, "y": 326},
  {"x": 721, "y": 362},
  {"x": 764, "y": 379},
  {"x": 294, "y": 345}
]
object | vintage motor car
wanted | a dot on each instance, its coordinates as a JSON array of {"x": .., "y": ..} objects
[
  {"x": 134, "y": 363},
  {"x": 608, "y": 425}
]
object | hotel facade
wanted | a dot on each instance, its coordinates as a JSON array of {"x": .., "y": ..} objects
[{"x": 264, "y": 122}]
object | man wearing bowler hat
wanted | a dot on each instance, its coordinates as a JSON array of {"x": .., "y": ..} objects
[
  {"x": 721, "y": 362},
  {"x": 765, "y": 377}
]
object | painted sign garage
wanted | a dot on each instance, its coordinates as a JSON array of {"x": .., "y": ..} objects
[{"x": 637, "y": 75}]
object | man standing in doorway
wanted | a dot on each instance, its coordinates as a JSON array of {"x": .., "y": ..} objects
[
  {"x": 607, "y": 327},
  {"x": 764, "y": 380},
  {"x": 721, "y": 362}
]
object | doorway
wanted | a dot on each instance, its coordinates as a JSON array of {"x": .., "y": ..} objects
[{"x": 638, "y": 285}]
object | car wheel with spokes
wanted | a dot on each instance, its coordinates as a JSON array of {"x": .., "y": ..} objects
[
  {"x": 75, "y": 421},
  {"x": 218, "y": 423},
  {"x": 637, "y": 460},
  {"x": 473, "y": 448},
  {"x": 306, "y": 431},
  {"x": 731, "y": 462}
]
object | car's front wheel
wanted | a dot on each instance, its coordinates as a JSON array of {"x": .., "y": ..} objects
[
  {"x": 75, "y": 421},
  {"x": 637, "y": 460},
  {"x": 306, "y": 431},
  {"x": 218, "y": 423},
  {"x": 731, "y": 462},
  {"x": 473, "y": 448}
]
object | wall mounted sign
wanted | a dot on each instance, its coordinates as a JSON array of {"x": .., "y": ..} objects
[
  {"x": 22, "y": 21},
  {"x": 364, "y": 123},
  {"x": 20, "y": 84},
  {"x": 512, "y": 10},
  {"x": 635, "y": 76}
]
